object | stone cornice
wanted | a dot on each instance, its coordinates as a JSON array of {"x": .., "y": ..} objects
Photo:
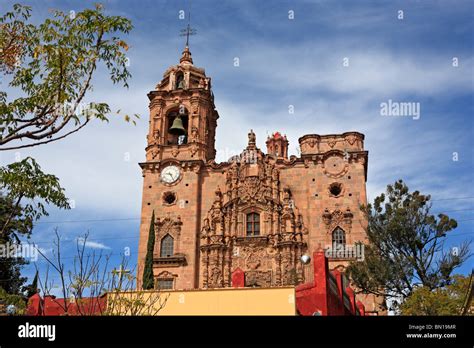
[
  {"x": 185, "y": 164},
  {"x": 172, "y": 261},
  {"x": 211, "y": 165},
  {"x": 166, "y": 94},
  {"x": 328, "y": 136}
]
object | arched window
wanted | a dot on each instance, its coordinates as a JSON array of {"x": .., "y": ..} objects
[
  {"x": 338, "y": 239},
  {"x": 167, "y": 246},
  {"x": 253, "y": 224}
]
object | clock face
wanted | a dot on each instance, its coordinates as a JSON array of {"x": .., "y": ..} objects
[{"x": 170, "y": 174}]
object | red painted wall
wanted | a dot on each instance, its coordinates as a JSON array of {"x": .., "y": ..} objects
[
  {"x": 51, "y": 305},
  {"x": 325, "y": 295}
]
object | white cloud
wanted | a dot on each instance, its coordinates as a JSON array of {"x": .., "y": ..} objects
[
  {"x": 374, "y": 72},
  {"x": 90, "y": 244}
]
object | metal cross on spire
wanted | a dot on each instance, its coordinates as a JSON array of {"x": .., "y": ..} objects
[{"x": 188, "y": 31}]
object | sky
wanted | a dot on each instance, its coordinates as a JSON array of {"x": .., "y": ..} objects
[{"x": 333, "y": 62}]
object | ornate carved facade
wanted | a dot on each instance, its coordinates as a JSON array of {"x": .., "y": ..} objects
[{"x": 269, "y": 258}]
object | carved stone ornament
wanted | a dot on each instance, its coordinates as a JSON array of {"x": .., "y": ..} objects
[
  {"x": 351, "y": 139},
  {"x": 261, "y": 279},
  {"x": 335, "y": 166},
  {"x": 267, "y": 257},
  {"x": 337, "y": 218},
  {"x": 155, "y": 152}
]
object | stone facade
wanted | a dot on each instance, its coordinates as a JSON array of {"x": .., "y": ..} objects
[{"x": 258, "y": 212}]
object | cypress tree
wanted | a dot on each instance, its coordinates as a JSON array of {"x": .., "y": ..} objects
[
  {"x": 148, "y": 280},
  {"x": 33, "y": 288}
]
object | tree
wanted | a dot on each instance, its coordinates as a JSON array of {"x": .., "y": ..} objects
[
  {"x": 33, "y": 288},
  {"x": 405, "y": 246},
  {"x": 10, "y": 277},
  {"x": 24, "y": 180},
  {"x": 447, "y": 300},
  {"x": 24, "y": 191},
  {"x": 52, "y": 65},
  {"x": 13, "y": 36},
  {"x": 12, "y": 299},
  {"x": 90, "y": 278},
  {"x": 148, "y": 279}
]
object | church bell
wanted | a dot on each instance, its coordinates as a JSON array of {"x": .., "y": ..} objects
[{"x": 177, "y": 127}]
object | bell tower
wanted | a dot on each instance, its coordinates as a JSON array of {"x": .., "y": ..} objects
[
  {"x": 180, "y": 143},
  {"x": 183, "y": 118},
  {"x": 277, "y": 145}
]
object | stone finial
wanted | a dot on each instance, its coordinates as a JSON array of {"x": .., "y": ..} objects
[
  {"x": 252, "y": 138},
  {"x": 186, "y": 56}
]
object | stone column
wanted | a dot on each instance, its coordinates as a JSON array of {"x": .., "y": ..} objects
[{"x": 205, "y": 268}]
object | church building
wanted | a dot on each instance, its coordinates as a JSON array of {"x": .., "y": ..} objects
[{"x": 260, "y": 212}]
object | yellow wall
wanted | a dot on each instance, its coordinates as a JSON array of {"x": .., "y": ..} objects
[{"x": 228, "y": 301}]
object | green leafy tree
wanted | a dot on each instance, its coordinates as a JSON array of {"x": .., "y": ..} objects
[
  {"x": 12, "y": 299},
  {"x": 24, "y": 191},
  {"x": 446, "y": 300},
  {"x": 148, "y": 279},
  {"x": 406, "y": 245},
  {"x": 51, "y": 66},
  {"x": 11, "y": 280},
  {"x": 24, "y": 181}
]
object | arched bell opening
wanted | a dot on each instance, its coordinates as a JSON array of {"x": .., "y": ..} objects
[
  {"x": 177, "y": 126},
  {"x": 179, "y": 80}
]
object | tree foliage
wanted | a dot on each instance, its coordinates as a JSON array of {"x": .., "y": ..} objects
[
  {"x": 25, "y": 181},
  {"x": 24, "y": 191},
  {"x": 14, "y": 33},
  {"x": 406, "y": 245},
  {"x": 11, "y": 280},
  {"x": 52, "y": 65},
  {"x": 447, "y": 300},
  {"x": 13, "y": 299}
]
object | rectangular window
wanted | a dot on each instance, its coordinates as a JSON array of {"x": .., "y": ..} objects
[
  {"x": 165, "y": 284},
  {"x": 253, "y": 224}
]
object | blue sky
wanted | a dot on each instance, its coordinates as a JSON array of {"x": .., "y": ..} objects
[{"x": 283, "y": 62}]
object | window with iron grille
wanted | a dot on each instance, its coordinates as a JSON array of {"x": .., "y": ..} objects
[
  {"x": 167, "y": 246},
  {"x": 253, "y": 224},
  {"x": 338, "y": 239},
  {"x": 164, "y": 284}
]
